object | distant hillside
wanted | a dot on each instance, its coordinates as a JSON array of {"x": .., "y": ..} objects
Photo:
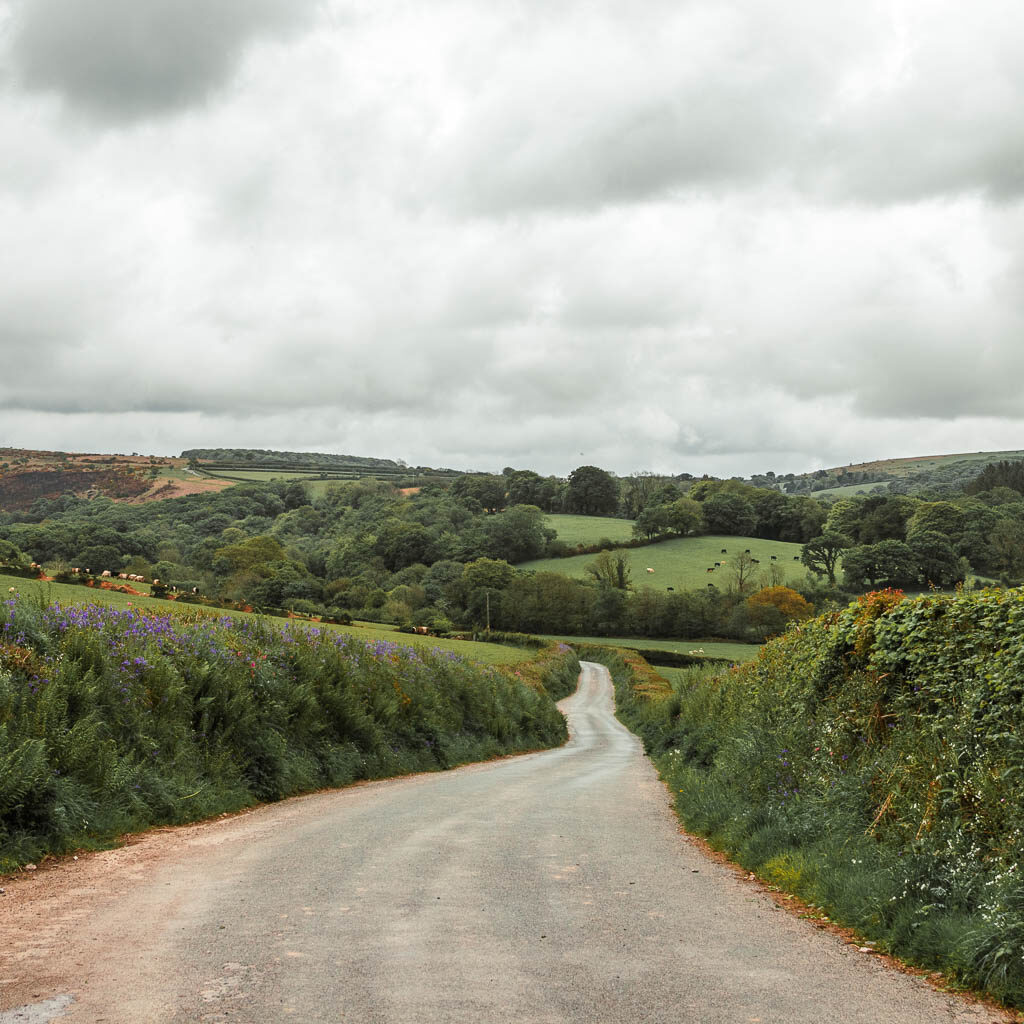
[
  {"x": 254, "y": 464},
  {"x": 27, "y": 475},
  {"x": 248, "y": 457},
  {"x": 940, "y": 474}
]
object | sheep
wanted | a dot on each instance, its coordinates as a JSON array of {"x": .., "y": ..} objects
[
  {"x": 711, "y": 568},
  {"x": 725, "y": 551},
  {"x": 796, "y": 558},
  {"x": 747, "y": 552},
  {"x": 122, "y": 575},
  {"x": 105, "y": 574},
  {"x": 775, "y": 558},
  {"x": 718, "y": 565},
  {"x": 649, "y": 569},
  {"x": 156, "y": 582},
  {"x": 75, "y": 572}
]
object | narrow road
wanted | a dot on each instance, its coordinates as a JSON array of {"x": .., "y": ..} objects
[{"x": 553, "y": 887}]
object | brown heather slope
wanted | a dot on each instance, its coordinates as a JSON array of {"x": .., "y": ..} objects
[{"x": 27, "y": 475}]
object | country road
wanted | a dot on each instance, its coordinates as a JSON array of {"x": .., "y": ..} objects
[{"x": 553, "y": 887}]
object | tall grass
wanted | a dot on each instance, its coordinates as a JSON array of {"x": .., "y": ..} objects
[
  {"x": 870, "y": 762},
  {"x": 114, "y": 719}
]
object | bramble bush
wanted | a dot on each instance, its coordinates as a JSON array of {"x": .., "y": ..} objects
[
  {"x": 870, "y": 761},
  {"x": 116, "y": 719}
]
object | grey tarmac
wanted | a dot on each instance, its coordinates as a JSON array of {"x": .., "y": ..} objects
[{"x": 548, "y": 888}]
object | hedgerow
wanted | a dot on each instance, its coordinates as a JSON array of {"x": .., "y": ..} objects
[
  {"x": 870, "y": 761},
  {"x": 115, "y": 719}
]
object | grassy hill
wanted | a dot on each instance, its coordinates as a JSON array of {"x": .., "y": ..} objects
[
  {"x": 908, "y": 475},
  {"x": 708, "y": 648},
  {"x": 590, "y": 529},
  {"x": 683, "y": 564}
]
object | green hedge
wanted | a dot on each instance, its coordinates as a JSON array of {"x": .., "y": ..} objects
[
  {"x": 112, "y": 720},
  {"x": 871, "y": 762}
]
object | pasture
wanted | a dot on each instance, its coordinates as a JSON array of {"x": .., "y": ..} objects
[
  {"x": 711, "y": 648},
  {"x": 590, "y": 529},
  {"x": 371, "y": 632},
  {"x": 683, "y": 564}
]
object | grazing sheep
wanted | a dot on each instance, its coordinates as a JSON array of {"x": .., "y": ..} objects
[
  {"x": 122, "y": 575},
  {"x": 649, "y": 569},
  {"x": 718, "y": 565},
  {"x": 155, "y": 582},
  {"x": 105, "y": 574},
  {"x": 747, "y": 552},
  {"x": 75, "y": 572},
  {"x": 711, "y": 568},
  {"x": 725, "y": 551},
  {"x": 774, "y": 558}
]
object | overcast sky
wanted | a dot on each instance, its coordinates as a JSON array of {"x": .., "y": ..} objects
[{"x": 725, "y": 236}]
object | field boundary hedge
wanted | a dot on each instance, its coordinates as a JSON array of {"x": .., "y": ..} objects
[
  {"x": 114, "y": 720},
  {"x": 869, "y": 762}
]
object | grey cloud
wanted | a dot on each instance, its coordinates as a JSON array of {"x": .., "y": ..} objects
[
  {"x": 124, "y": 60},
  {"x": 835, "y": 100}
]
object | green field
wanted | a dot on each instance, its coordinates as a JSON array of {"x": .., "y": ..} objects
[
  {"x": 711, "y": 649},
  {"x": 683, "y": 564},
  {"x": 67, "y": 593},
  {"x": 849, "y": 490},
  {"x": 590, "y": 529}
]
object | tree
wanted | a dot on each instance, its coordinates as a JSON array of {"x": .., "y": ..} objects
[
  {"x": 685, "y": 516},
  {"x": 11, "y": 555},
  {"x": 1007, "y": 547},
  {"x": 821, "y": 554},
  {"x": 729, "y": 514},
  {"x": 653, "y": 521},
  {"x": 592, "y": 492},
  {"x": 771, "y": 608},
  {"x": 490, "y": 573},
  {"x": 610, "y": 569},
  {"x": 517, "y": 534},
  {"x": 938, "y": 563},
  {"x": 487, "y": 491},
  {"x": 638, "y": 491},
  {"x": 889, "y": 563},
  {"x": 742, "y": 569},
  {"x": 400, "y": 543}
]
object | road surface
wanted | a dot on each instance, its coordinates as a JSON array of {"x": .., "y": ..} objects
[{"x": 553, "y": 887}]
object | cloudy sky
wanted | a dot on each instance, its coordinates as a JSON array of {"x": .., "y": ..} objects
[{"x": 724, "y": 236}]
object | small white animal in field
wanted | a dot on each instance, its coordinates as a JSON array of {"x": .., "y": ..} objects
[{"x": 649, "y": 569}]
